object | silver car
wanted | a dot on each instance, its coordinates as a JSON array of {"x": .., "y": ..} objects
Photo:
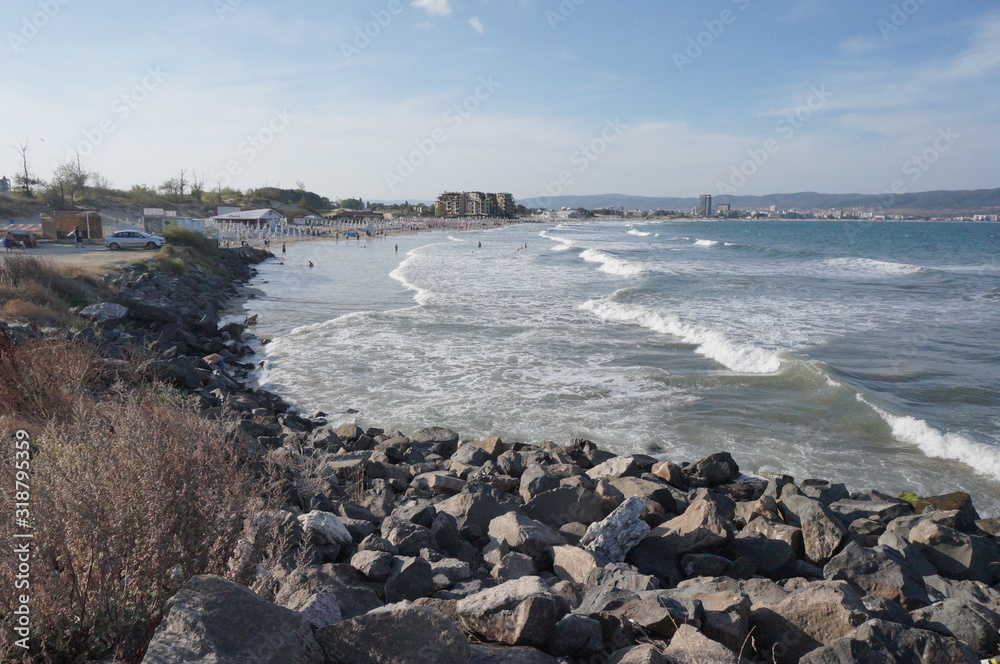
[{"x": 131, "y": 239}]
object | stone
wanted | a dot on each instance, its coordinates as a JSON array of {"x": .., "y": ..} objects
[
  {"x": 319, "y": 610},
  {"x": 713, "y": 470},
  {"x": 646, "y": 489},
  {"x": 885, "y": 609},
  {"x": 375, "y": 565},
  {"x": 617, "y": 534},
  {"x": 535, "y": 480},
  {"x": 393, "y": 635},
  {"x": 409, "y": 579},
  {"x": 765, "y": 506},
  {"x": 375, "y": 543},
  {"x": 645, "y": 654},
  {"x": 659, "y": 614},
  {"x": 353, "y": 591},
  {"x": 499, "y": 655},
  {"x": 773, "y": 559},
  {"x": 105, "y": 313},
  {"x": 882, "y": 511},
  {"x": 439, "y": 482},
  {"x": 576, "y": 636},
  {"x": 689, "y": 646},
  {"x": 704, "y": 564},
  {"x": 809, "y": 618},
  {"x": 955, "y": 554},
  {"x": 824, "y": 491},
  {"x": 960, "y": 502},
  {"x": 701, "y": 528},
  {"x": 574, "y": 564},
  {"x": 672, "y": 474},
  {"x": 325, "y": 528},
  {"x": 452, "y": 569},
  {"x": 564, "y": 505},
  {"x": 473, "y": 512},
  {"x": 822, "y": 531},
  {"x": 513, "y": 566},
  {"x": 726, "y": 612},
  {"x": 408, "y": 538},
  {"x": 471, "y": 455},
  {"x": 523, "y": 612},
  {"x": 614, "y": 468},
  {"x": 765, "y": 527},
  {"x": 875, "y": 572},
  {"x": 655, "y": 556},
  {"x": 879, "y": 642},
  {"x": 975, "y": 624},
  {"x": 211, "y": 619},
  {"x": 349, "y": 432},
  {"x": 525, "y": 535}
]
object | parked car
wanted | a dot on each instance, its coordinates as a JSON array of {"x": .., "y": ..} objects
[
  {"x": 27, "y": 237},
  {"x": 131, "y": 239}
]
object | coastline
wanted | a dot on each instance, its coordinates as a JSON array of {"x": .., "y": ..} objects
[{"x": 490, "y": 549}]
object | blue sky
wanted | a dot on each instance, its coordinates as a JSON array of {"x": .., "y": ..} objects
[{"x": 655, "y": 98}]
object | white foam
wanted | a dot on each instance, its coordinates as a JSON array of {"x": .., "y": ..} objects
[
  {"x": 634, "y": 231},
  {"x": 564, "y": 244},
  {"x": 707, "y": 243},
  {"x": 423, "y": 296},
  {"x": 711, "y": 344},
  {"x": 872, "y": 265},
  {"x": 611, "y": 264},
  {"x": 983, "y": 459}
]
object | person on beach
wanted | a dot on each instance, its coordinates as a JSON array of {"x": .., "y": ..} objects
[
  {"x": 397, "y": 248},
  {"x": 480, "y": 245},
  {"x": 311, "y": 264},
  {"x": 78, "y": 236},
  {"x": 215, "y": 361},
  {"x": 282, "y": 249},
  {"x": 8, "y": 243}
]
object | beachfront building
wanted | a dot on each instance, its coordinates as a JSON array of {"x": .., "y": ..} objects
[
  {"x": 474, "y": 204},
  {"x": 261, "y": 218},
  {"x": 4, "y": 185},
  {"x": 60, "y": 224}
]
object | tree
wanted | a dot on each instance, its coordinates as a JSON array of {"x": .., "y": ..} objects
[
  {"x": 25, "y": 179},
  {"x": 352, "y": 204},
  {"x": 169, "y": 187},
  {"x": 70, "y": 178},
  {"x": 182, "y": 182},
  {"x": 197, "y": 185}
]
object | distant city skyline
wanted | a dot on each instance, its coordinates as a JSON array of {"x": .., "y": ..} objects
[{"x": 396, "y": 100}]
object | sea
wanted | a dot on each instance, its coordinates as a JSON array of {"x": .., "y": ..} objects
[{"x": 866, "y": 353}]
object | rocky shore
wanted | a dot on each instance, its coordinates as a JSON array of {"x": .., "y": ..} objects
[{"x": 423, "y": 547}]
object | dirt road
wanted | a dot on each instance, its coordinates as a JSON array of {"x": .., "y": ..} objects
[{"x": 93, "y": 259}]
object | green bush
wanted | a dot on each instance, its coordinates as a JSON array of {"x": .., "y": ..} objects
[{"x": 185, "y": 238}]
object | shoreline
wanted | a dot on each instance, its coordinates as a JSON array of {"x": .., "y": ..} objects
[{"x": 455, "y": 542}]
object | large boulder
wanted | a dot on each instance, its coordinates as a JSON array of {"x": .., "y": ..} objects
[
  {"x": 617, "y": 534},
  {"x": 689, "y": 646},
  {"x": 482, "y": 654},
  {"x": 814, "y": 616},
  {"x": 565, "y": 505},
  {"x": 325, "y": 528},
  {"x": 573, "y": 564},
  {"x": 394, "y": 635},
  {"x": 956, "y": 554},
  {"x": 535, "y": 480},
  {"x": 104, "y": 313},
  {"x": 523, "y": 612},
  {"x": 879, "y": 642},
  {"x": 876, "y": 572},
  {"x": 409, "y": 579},
  {"x": 211, "y": 619},
  {"x": 973, "y": 623},
  {"x": 702, "y": 527},
  {"x": 408, "y": 537},
  {"x": 822, "y": 531},
  {"x": 525, "y": 535},
  {"x": 714, "y": 470},
  {"x": 474, "y": 511}
]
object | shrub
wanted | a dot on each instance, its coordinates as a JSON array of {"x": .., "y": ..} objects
[{"x": 183, "y": 237}]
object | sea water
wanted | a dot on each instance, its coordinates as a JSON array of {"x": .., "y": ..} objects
[{"x": 858, "y": 352}]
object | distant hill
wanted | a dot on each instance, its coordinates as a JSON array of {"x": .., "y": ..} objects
[{"x": 981, "y": 201}]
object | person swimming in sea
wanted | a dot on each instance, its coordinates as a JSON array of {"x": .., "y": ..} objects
[{"x": 311, "y": 264}]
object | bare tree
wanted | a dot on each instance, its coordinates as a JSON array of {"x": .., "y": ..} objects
[
  {"x": 197, "y": 185},
  {"x": 71, "y": 178},
  {"x": 25, "y": 179},
  {"x": 182, "y": 182}
]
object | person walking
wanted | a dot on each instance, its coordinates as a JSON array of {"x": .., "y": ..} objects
[
  {"x": 78, "y": 236},
  {"x": 283, "y": 250}
]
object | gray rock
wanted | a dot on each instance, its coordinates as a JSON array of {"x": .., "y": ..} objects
[
  {"x": 571, "y": 563},
  {"x": 882, "y": 511},
  {"x": 408, "y": 538},
  {"x": 659, "y": 614},
  {"x": 655, "y": 556},
  {"x": 104, "y": 313},
  {"x": 645, "y": 654},
  {"x": 715, "y": 469},
  {"x": 376, "y": 565},
  {"x": 354, "y": 595},
  {"x": 822, "y": 531},
  {"x": 576, "y": 636},
  {"x": 211, "y": 619},
  {"x": 525, "y": 535},
  {"x": 975, "y": 624},
  {"x": 881, "y": 608},
  {"x": 700, "y": 528},
  {"x": 689, "y": 646},
  {"x": 564, "y": 505},
  {"x": 393, "y": 635},
  {"x": 535, "y": 480},
  {"x": 514, "y": 566},
  {"x": 471, "y": 455},
  {"x": 824, "y": 491},
  {"x": 520, "y": 612},
  {"x": 319, "y": 609},
  {"x": 410, "y": 579},
  {"x": 956, "y": 554},
  {"x": 325, "y": 528},
  {"x": 875, "y": 572},
  {"x": 614, "y": 468},
  {"x": 878, "y": 642},
  {"x": 617, "y": 534},
  {"x": 475, "y": 511},
  {"x": 500, "y": 655}
]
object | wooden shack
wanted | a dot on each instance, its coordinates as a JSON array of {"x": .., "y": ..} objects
[{"x": 60, "y": 224}]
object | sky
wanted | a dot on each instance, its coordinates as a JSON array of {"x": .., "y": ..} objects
[{"x": 401, "y": 100}]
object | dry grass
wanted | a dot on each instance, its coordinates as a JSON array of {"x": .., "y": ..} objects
[
  {"x": 33, "y": 290},
  {"x": 131, "y": 493}
]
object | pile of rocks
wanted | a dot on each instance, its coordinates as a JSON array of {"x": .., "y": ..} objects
[{"x": 423, "y": 548}]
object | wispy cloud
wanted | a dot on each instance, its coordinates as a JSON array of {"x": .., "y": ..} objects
[
  {"x": 434, "y": 7},
  {"x": 476, "y": 24}
]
